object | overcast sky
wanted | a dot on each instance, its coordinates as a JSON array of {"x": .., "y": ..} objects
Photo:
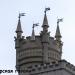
[{"x": 34, "y": 9}]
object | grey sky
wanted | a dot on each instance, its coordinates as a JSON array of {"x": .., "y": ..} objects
[{"x": 34, "y": 9}]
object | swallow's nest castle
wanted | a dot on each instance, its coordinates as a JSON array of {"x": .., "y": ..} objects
[{"x": 41, "y": 54}]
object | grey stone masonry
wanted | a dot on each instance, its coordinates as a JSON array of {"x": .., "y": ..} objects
[
  {"x": 51, "y": 68},
  {"x": 37, "y": 49},
  {"x": 31, "y": 51},
  {"x": 61, "y": 68}
]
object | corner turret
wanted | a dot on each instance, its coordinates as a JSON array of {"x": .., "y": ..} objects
[
  {"x": 45, "y": 37},
  {"x": 45, "y": 34},
  {"x": 58, "y": 36}
]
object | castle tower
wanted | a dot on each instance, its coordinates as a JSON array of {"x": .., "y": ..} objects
[
  {"x": 58, "y": 36},
  {"x": 37, "y": 50}
]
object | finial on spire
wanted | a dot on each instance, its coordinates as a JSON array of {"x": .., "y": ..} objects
[
  {"x": 36, "y": 24},
  {"x": 59, "y": 20},
  {"x": 33, "y": 32},
  {"x": 46, "y": 9},
  {"x": 21, "y": 14}
]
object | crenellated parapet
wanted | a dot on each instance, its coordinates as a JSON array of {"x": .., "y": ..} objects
[{"x": 31, "y": 51}]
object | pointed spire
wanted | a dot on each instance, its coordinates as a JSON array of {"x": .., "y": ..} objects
[
  {"x": 45, "y": 21},
  {"x": 33, "y": 32},
  {"x": 19, "y": 29},
  {"x": 58, "y": 34}
]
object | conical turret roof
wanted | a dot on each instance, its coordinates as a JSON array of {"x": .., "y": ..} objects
[
  {"x": 57, "y": 32},
  {"x": 19, "y": 29},
  {"x": 45, "y": 21}
]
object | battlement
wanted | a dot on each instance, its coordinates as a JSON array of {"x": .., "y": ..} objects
[
  {"x": 63, "y": 64},
  {"x": 32, "y": 50}
]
